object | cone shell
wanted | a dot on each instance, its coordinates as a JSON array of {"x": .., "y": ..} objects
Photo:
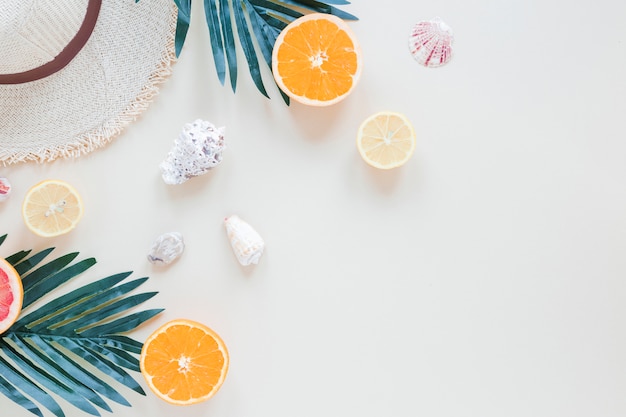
[
  {"x": 430, "y": 43},
  {"x": 247, "y": 244}
]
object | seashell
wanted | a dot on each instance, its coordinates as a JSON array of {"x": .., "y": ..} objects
[
  {"x": 246, "y": 242},
  {"x": 430, "y": 43},
  {"x": 5, "y": 188},
  {"x": 166, "y": 248},
  {"x": 197, "y": 149}
]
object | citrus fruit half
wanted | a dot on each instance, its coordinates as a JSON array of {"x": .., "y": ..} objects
[
  {"x": 316, "y": 59},
  {"x": 184, "y": 362},
  {"x": 52, "y": 208},
  {"x": 11, "y": 295},
  {"x": 386, "y": 140}
]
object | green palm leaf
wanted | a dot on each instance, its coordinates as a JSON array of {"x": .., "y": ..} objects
[
  {"x": 66, "y": 345},
  {"x": 263, "y": 18}
]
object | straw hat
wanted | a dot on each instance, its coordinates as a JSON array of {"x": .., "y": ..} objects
[{"x": 74, "y": 73}]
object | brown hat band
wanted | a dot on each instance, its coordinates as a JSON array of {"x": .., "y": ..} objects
[{"x": 65, "y": 56}]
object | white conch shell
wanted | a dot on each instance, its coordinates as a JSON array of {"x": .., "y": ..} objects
[
  {"x": 430, "y": 43},
  {"x": 246, "y": 242},
  {"x": 5, "y": 188},
  {"x": 197, "y": 149},
  {"x": 166, "y": 248}
]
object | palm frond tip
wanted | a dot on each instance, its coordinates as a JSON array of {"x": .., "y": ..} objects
[{"x": 68, "y": 346}]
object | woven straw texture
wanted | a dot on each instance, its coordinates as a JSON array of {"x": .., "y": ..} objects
[
  {"x": 26, "y": 43},
  {"x": 111, "y": 81}
]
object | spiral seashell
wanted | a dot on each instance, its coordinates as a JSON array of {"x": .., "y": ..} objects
[
  {"x": 430, "y": 43},
  {"x": 5, "y": 188},
  {"x": 247, "y": 244},
  {"x": 166, "y": 248}
]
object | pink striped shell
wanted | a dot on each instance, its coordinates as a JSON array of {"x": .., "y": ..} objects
[
  {"x": 430, "y": 43},
  {"x": 5, "y": 188}
]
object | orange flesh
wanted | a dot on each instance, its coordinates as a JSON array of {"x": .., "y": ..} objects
[
  {"x": 317, "y": 60},
  {"x": 184, "y": 363}
]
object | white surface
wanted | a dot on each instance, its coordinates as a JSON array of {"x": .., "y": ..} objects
[{"x": 484, "y": 278}]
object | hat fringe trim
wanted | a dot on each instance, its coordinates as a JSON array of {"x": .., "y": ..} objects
[{"x": 103, "y": 135}]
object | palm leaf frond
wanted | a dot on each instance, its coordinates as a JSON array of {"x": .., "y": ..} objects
[
  {"x": 263, "y": 18},
  {"x": 182, "y": 23},
  {"x": 68, "y": 345}
]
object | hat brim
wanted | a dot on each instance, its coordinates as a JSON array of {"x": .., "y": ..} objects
[{"x": 111, "y": 81}]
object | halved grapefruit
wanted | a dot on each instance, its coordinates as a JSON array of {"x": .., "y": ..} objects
[{"x": 11, "y": 295}]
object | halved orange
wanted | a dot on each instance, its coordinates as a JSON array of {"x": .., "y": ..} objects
[
  {"x": 386, "y": 140},
  {"x": 184, "y": 362},
  {"x": 52, "y": 208},
  {"x": 11, "y": 295},
  {"x": 317, "y": 60}
]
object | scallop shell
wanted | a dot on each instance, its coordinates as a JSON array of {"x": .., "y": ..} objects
[
  {"x": 5, "y": 188},
  {"x": 430, "y": 43},
  {"x": 166, "y": 248},
  {"x": 197, "y": 149},
  {"x": 247, "y": 244}
]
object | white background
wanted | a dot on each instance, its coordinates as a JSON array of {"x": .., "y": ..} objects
[{"x": 484, "y": 278}]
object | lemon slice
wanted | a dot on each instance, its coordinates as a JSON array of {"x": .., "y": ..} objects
[
  {"x": 52, "y": 208},
  {"x": 386, "y": 140}
]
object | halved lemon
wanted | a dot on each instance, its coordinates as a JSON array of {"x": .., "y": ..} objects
[
  {"x": 52, "y": 208},
  {"x": 11, "y": 295},
  {"x": 386, "y": 140},
  {"x": 184, "y": 362}
]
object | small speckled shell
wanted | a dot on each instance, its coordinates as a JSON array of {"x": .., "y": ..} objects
[
  {"x": 247, "y": 244},
  {"x": 430, "y": 43},
  {"x": 5, "y": 188},
  {"x": 166, "y": 248}
]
